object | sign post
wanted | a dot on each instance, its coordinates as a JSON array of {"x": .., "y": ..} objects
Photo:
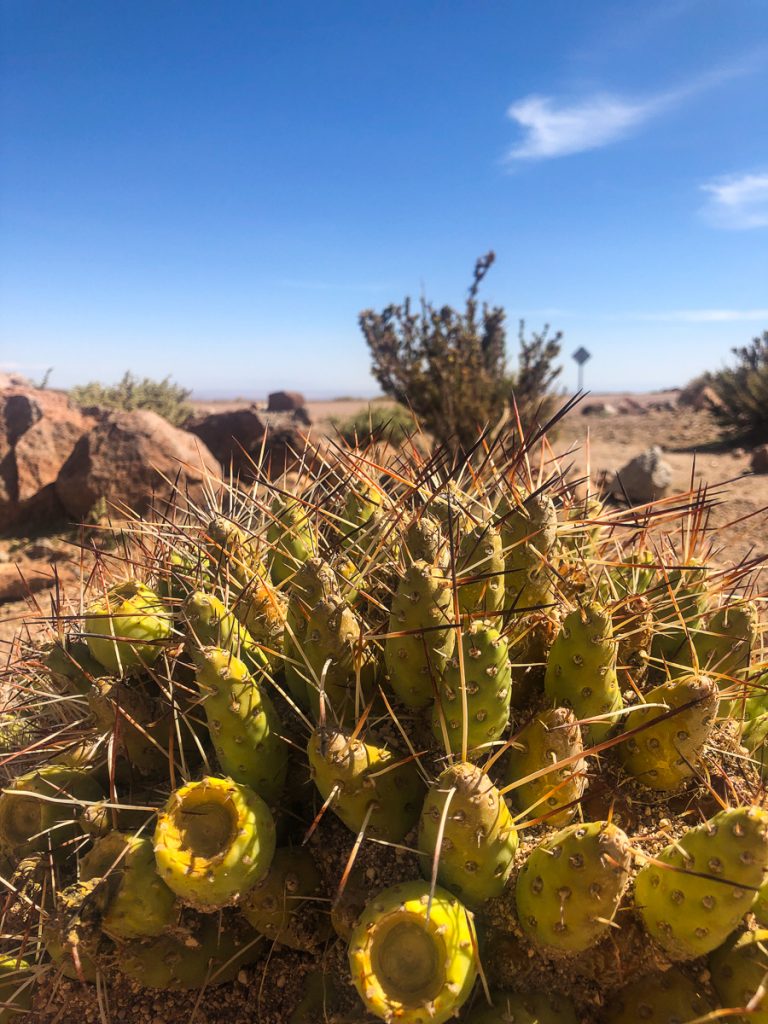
[{"x": 581, "y": 356}]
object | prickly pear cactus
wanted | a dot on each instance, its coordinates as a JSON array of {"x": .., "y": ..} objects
[
  {"x": 16, "y": 987},
  {"x": 703, "y": 884},
  {"x": 284, "y": 905},
  {"x": 545, "y": 768},
  {"x": 477, "y": 689},
  {"x": 333, "y": 652},
  {"x": 421, "y": 638},
  {"x": 466, "y": 831},
  {"x": 213, "y": 841},
  {"x": 581, "y": 670},
  {"x": 530, "y": 1008},
  {"x": 127, "y": 627},
  {"x": 210, "y": 624},
  {"x": 481, "y": 562},
  {"x": 738, "y": 969},
  {"x": 664, "y": 998},
  {"x": 569, "y": 888},
  {"x": 291, "y": 535},
  {"x": 412, "y": 955}
]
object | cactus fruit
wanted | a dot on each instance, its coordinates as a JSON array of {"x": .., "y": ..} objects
[
  {"x": 211, "y": 624},
  {"x": 243, "y": 723},
  {"x": 483, "y": 688},
  {"x": 134, "y": 902},
  {"x": 332, "y": 648},
  {"x": 281, "y": 905},
  {"x": 665, "y": 998},
  {"x": 551, "y": 737},
  {"x": 213, "y": 841},
  {"x": 211, "y": 955},
  {"x": 739, "y": 969},
  {"x": 412, "y": 955},
  {"x": 291, "y": 535},
  {"x": 38, "y": 810},
  {"x": 421, "y": 636},
  {"x": 481, "y": 561},
  {"x": 366, "y": 783},
  {"x": 581, "y": 670},
  {"x": 667, "y": 749},
  {"x": 530, "y": 1008},
  {"x": 569, "y": 888},
  {"x": 127, "y": 627},
  {"x": 528, "y": 535},
  {"x": 705, "y": 882},
  {"x": 16, "y": 981},
  {"x": 478, "y": 836}
]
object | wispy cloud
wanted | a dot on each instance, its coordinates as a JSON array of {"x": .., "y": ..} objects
[
  {"x": 738, "y": 202},
  {"x": 553, "y": 127},
  {"x": 705, "y": 316}
]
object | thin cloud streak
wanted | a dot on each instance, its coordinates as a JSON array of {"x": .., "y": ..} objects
[
  {"x": 554, "y": 128},
  {"x": 738, "y": 202}
]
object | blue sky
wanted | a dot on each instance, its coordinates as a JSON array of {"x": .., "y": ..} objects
[{"x": 213, "y": 189}]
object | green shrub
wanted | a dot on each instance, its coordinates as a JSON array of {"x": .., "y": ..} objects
[
  {"x": 742, "y": 391},
  {"x": 160, "y": 396},
  {"x": 450, "y": 366},
  {"x": 379, "y": 421}
]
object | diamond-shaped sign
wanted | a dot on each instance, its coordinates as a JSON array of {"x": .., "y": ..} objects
[{"x": 581, "y": 355}]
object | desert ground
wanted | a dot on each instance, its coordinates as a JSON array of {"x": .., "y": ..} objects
[{"x": 587, "y": 436}]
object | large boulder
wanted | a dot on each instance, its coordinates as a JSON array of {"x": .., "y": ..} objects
[
  {"x": 247, "y": 442},
  {"x": 285, "y": 401},
  {"x": 135, "y": 460},
  {"x": 38, "y": 431},
  {"x": 645, "y": 478},
  {"x": 758, "y": 462}
]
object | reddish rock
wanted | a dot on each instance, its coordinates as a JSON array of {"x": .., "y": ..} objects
[
  {"x": 18, "y": 581},
  {"x": 128, "y": 458},
  {"x": 38, "y": 430},
  {"x": 759, "y": 461},
  {"x": 285, "y": 401},
  {"x": 244, "y": 439}
]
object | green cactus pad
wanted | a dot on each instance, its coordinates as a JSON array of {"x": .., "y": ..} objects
[
  {"x": 581, "y": 670},
  {"x": 281, "y": 904},
  {"x": 665, "y": 998},
  {"x": 127, "y": 627},
  {"x": 528, "y": 1008},
  {"x": 211, "y": 624},
  {"x": 213, "y": 841},
  {"x": 133, "y": 900},
  {"x": 17, "y": 982},
  {"x": 243, "y": 723},
  {"x": 412, "y": 958},
  {"x": 71, "y": 667},
  {"x": 141, "y": 731},
  {"x": 481, "y": 560},
  {"x": 569, "y": 888},
  {"x": 705, "y": 882},
  {"x": 332, "y": 650},
  {"x": 486, "y": 687},
  {"x": 313, "y": 581},
  {"x": 739, "y": 969},
  {"x": 291, "y": 535},
  {"x": 552, "y": 736},
  {"x": 366, "y": 778},
  {"x": 234, "y": 554},
  {"x": 478, "y": 840},
  {"x": 38, "y": 811},
  {"x": 422, "y": 608},
  {"x": 680, "y": 600},
  {"x": 668, "y": 749},
  {"x": 213, "y": 954},
  {"x": 424, "y": 542},
  {"x": 528, "y": 534}
]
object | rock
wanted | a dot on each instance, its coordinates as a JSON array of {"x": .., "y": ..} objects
[
  {"x": 17, "y": 581},
  {"x": 759, "y": 460},
  {"x": 285, "y": 401},
  {"x": 130, "y": 459},
  {"x": 663, "y": 405},
  {"x": 644, "y": 478},
  {"x": 38, "y": 430},
  {"x": 600, "y": 409},
  {"x": 244, "y": 439}
]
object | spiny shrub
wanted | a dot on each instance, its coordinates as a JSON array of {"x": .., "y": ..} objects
[
  {"x": 161, "y": 396},
  {"x": 742, "y": 391}
]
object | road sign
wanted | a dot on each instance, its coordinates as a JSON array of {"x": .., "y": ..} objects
[{"x": 581, "y": 356}]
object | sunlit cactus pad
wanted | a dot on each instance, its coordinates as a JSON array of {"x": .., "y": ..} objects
[{"x": 397, "y": 737}]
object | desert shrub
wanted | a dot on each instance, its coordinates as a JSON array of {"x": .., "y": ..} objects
[
  {"x": 450, "y": 366},
  {"x": 742, "y": 391},
  {"x": 389, "y": 422},
  {"x": 160, "y": 396}
]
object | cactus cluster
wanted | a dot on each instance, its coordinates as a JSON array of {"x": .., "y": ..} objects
[{"x": 447, "y": 740}]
